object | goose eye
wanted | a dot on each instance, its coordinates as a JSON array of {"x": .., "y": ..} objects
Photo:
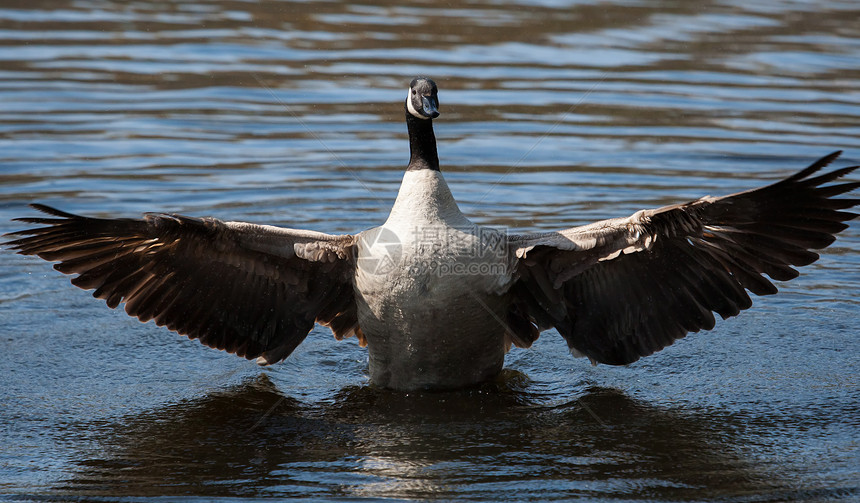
[{"x": 413, "y": 91}]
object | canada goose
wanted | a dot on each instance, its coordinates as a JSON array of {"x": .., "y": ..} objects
[{"x": 437, "y": 299}]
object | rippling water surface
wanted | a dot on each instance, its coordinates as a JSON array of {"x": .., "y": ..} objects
[{"x": 554, "y": 113}]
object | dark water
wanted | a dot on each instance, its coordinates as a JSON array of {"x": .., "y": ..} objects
[{"x": 555, "y": 113}]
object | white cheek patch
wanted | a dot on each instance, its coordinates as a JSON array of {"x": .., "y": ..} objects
[{"x": 412, "y": 108}]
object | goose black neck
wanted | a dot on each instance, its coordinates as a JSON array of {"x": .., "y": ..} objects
[{"x": 422, "y": 144}]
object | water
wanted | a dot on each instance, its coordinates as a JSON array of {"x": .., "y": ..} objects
[{"x": 554, "y": 113}]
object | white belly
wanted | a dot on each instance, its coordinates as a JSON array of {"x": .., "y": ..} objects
[{"x": 431, "y": 304}]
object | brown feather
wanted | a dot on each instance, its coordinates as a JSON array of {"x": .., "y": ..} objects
[
  {"x": 663, "y": 273},
  {"x": 236, "y": 287}
]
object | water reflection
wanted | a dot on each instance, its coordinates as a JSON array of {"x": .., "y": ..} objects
[{"x": 253, "y": 440}]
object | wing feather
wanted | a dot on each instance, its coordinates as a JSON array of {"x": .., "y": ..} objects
[
  {"x": 252, "y": 290},
  {"x": 624, "y": 288}
]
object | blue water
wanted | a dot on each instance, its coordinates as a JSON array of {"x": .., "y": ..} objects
[{"x": 554, "y": 114}]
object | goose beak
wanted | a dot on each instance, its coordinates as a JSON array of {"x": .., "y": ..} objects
[{"x": 431, "y": 106}]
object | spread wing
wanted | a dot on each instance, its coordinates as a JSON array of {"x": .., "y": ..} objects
[
  {"x": 252, "y": 290},
  {"x": 624, "y": 288}
]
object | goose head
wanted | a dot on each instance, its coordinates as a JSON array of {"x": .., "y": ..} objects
[{"x": 422, "y": 101}]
